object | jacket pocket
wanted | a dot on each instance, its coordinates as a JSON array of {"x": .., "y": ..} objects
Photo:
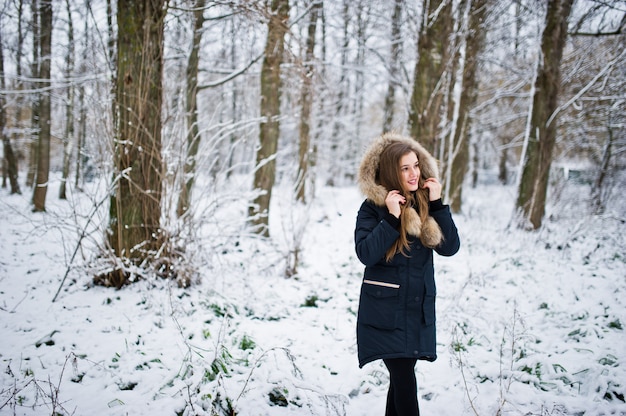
[
  {"x": 429, "y": 305},
  {"x": 379, "y": 304}
]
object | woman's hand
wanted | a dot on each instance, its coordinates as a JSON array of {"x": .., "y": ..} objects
[
  {"x": 393, "y": 201},
  {"x": 434, "y": 189}
]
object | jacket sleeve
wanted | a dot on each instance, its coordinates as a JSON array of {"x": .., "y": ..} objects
[
  {"x": 374, "y": 234},
  {"x": 451, "y": 242}
]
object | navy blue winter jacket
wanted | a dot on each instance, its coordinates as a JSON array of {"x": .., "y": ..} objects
[{"x": 396, "y": 317}]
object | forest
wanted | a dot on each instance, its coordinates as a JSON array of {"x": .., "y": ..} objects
[{"x": 193, "y": 164}]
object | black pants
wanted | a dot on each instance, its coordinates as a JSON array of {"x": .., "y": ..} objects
[{"x": 402, "y": 395}]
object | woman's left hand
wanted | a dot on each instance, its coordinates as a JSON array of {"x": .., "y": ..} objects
[{"x": 434, "y": 189}]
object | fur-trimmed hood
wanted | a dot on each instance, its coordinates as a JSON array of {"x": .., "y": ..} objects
[{"x": 429, "y": 232}]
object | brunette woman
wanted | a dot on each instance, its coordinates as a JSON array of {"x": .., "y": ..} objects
[{"x": 399, "y": 226}]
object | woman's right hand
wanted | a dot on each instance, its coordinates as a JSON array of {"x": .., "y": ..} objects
[{"x": 393, "y": 201}]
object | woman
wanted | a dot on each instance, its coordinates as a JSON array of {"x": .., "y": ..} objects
[{"x": 399, "y": 225}]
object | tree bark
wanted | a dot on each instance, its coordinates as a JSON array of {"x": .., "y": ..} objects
[
  {"x": 35, "y": 127},
  {"x": 193, "y": 132},
  {"x": 43, "y": 144},
  {"x": 10, "y": 161},
  {"x": 474, "y": 41},
  {"x": 265, "y": 173},
  {"x": 306, "y": 103},
  {"x": 81, "y": 139},
  {"x": 135, "y": 206},
  {"x": 338, "y": 123},
  {"x": 433, "y": 54},
  {"x": 363, "y": 17},
  {"x": 597, "y": 194},
  {"x": 394, "y": 63},
  {"x": 541, "y": 138}
]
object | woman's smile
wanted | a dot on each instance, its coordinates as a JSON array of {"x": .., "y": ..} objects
[{"x": 410, "y": 171}]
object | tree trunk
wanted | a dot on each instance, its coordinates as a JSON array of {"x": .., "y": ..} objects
[
  {"x": 265, "y": 172},
  {"x": 43, "y": 144},
  {"x": 35, "y": 126},
  {"x": 433, "y": 53},
  {"x": 68, "y": 141},
  {"x": 307, "y": 103},
  {"x": 394, "y": 63},
  {"x": 234, "y": 108},
  {"x": 19, "y": 100},
  {"x": 193, "y": 132},
  {"x": 362, "y": 26},
  {"x": 135, "y": 210},
  {"x": 336, "y": 135},
  {"x": 597, "y": 194},
  {"x": 82, "y": 111},
  {"x": 503, "y": 176},
  {"x": 10, "y": 161},
  {"x": 474, "y": 40},
  {"x": 541, "y": 138}
]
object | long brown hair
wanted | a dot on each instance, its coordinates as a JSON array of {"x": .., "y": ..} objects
[{"x": 389, "y": 176}]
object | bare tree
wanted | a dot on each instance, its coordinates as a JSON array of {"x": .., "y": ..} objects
[
  {"x": 191, "y": 102},
  {"x": 135, "y": 207},
  {"x": 35, "y": 74},
  {"x": 473, "y": 44},
  {"x": 43, "y": 143},
  {"x": 541, "y": 134},
  {"x": 394, "y": 65},
  {"x": 433, "y": 57},
  {"x": 306, "y": 106},
  {"x": 68, "y": 140},
  {"x": 342, "y": 92},
  {"x": 82, "y": 110},
  {"x": 265, "y": 173},
  {"x": 10, "y": 161}
]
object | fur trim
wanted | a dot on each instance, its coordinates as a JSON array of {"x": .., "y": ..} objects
[{"x": 429, "y": 232}]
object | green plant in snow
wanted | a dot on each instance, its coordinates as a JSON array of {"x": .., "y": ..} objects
[
  {"x": 278, "y": 397},
  {"x": 220, "y": 365},
  {"x": 247, "y": 343},
  {"x": 206, "y": 334},
  {"x": 311, "y": 302},
  {"x": 616, "y": 324}
]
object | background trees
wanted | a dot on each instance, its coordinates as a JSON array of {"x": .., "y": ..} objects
[{"x": 241, "y": 92}]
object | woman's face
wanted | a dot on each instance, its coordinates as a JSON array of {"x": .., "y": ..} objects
[{"x": 409, "y": 172}]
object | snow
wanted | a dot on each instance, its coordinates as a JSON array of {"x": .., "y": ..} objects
[{"x": 529, "y": 323}]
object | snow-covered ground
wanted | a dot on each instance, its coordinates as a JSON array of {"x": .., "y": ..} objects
[{"x": 529, "y": 323}]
